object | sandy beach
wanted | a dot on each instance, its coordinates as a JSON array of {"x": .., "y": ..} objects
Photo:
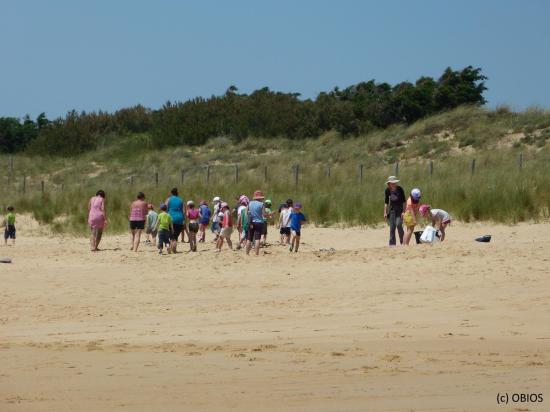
[{"x": 362, "y": 327}]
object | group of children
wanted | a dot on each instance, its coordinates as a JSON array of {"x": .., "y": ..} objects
[
  {"x": 250, "y": 218},
  {"x": 398, "y": 211}
]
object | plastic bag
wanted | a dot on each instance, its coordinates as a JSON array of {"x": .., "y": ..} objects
[{"x": 428, "y": 235}]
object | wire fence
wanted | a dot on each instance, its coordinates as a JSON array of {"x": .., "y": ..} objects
[{"x": 20, "y": 183}]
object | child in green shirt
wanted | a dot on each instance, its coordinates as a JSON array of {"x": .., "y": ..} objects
[
  {"x": 9, "y": 232},
  {"x": 165, "y": 228}
]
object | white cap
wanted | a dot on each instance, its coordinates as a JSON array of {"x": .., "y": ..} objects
[
  {"x": 190, "y": 202},
  {"x": 216, "y": 199},
  {"x": 416, "y": 194}
]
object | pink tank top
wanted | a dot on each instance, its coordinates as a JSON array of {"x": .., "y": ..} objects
[
  {"x": 137, "y": 211},
  {"x": 193, "y": 214}
]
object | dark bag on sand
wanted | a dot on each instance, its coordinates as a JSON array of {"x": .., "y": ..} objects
[{"x": 484, "y": 239}]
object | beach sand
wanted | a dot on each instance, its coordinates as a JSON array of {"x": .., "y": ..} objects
[{"x": 361, "y": 328}]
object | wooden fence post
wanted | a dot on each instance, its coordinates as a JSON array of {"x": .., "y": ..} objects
[
  {"x": 473, "y": 167},
  {"x": 265, "y": 173},
  {"x": 327, "y": 171},
  {"x": 431, "y": 167},
  {"x": 296, "y": 173},
  {"x": 131, "y": 181},
  {"x": 360, "y": 174},
  {"x": 208, "y": 174},
  {"x": 182, "y": 175},
  {"x": 42, "y": 186},
  {"x": 24, "y": 184},
  {"x": 236, "y": 173},
  {"x": 156, "y": 179},
  {"x": 396, "y": 169},
  {"x": 520, "y": 161}
]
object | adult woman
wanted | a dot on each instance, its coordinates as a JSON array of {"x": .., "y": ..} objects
[
  {"x": 138, "y": 212},
  {"x": 97, "y": 219},
  {"x": 174, "y": 204},
  {"x": 193, "y": 216},
  {"x": 394, "y": 205},
  {"x": 256, "y": 215}
]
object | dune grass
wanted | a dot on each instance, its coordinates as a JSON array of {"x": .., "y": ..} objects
[{"x": 497, "y": 191}]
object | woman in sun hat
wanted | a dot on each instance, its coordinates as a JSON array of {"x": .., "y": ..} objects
[
  {"x": 394, "y": 205},
  {"x": 411, "y": 213},
  {"x": 256, "y": 221}
]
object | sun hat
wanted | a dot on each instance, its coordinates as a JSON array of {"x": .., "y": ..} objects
[
  {"x": 268, "y": 202},
  {"x": 243, "y": 200},
  {"x": 190, "y": 202},
  {"x": 416, "y": 193},
  {"x": 216, "y": 199},
  {"x": 423, "y": 209},
  {"x": 163, "y": 206},
  {"x": 297, "y": 205},
  {"x": 258, "y": 195},
  {"x": 392, "y": 179},
  {"x": 224, "y": 204}
]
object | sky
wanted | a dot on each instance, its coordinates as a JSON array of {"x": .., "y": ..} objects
[{"x": 59, "y": 55}]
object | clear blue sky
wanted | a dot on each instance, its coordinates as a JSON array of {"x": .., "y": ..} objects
[{"x": 107, "y": 54}]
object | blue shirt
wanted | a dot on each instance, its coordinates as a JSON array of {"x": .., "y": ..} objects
[
  {"x": 296, "y": 220},
  {"x": 255, "y": 210},
  {"x": 175, "y": 209},
  {"x": 205, "y": 214}
]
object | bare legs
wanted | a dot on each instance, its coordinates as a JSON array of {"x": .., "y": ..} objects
[
  {"x": 136, "y": 237},
  {"x": 408, "y": 235},
  {"x": 95, "y": 238},
  {"x": 202, "y": 233},
  {"x": 295, "y": 242},
  {"x": 192, "y": 241}
]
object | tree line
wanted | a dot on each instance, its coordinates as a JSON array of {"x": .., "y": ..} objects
[{"x": 353, "y": 111}]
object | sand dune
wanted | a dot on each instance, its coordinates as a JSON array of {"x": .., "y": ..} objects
[{"x": 360, "y": 328}]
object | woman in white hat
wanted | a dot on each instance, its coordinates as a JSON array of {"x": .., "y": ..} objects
[{"x": 394, "y": 205}]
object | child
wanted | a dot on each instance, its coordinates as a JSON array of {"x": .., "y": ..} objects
[
  {"x": 9, "y": 232},
  {"x": 438, "y": 217},
  {"x": 165, "y": 229},
  {"x": 242, "y": 220},
  {"x": 284, "y": 223},
  {"x": 193, "y": 216},
  {"x": 297, "y": 218},
  {"x": 151, "y": 225},
  {"x": 227, "y": 228},
  {"x": 215, "y": 228},
  {"x": 268, "y": 219},
  {"x": 410, "y": 214},
  {"x": 204, "y": 220}
]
